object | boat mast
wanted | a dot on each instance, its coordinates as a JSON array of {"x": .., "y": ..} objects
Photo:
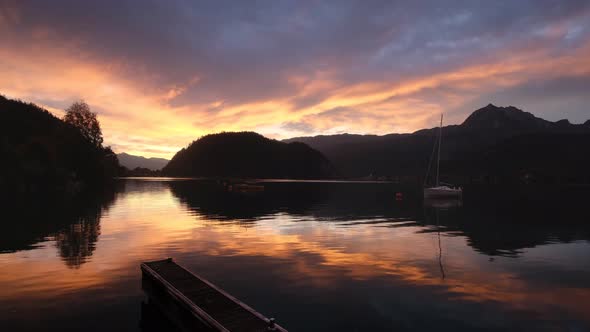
[{"x": 438, "y": 154}]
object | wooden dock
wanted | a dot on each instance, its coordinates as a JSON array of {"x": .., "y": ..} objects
[{"x": 194, "y": 304}]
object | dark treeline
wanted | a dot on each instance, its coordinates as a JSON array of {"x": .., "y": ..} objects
[
  {"x": 493, "y": 145},
  {"x": 248, "y": 155},
  {"x": 138, "y": 172},
  {"x": 43, "y": 153}
]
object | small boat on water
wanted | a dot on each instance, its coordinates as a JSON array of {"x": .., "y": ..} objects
[
  {"x": 443, "y": 192},
  {"x": 245, "y": 187},
  {"x": 440, "y": 190}
]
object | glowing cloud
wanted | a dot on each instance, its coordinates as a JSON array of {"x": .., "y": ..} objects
[{"x": 161, "y": 75}]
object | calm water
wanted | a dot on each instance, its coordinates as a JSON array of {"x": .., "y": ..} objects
[{"x": 317, "y": 256}]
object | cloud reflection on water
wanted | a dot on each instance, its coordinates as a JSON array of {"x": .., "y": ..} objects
[{"x": 318, "y": 244}]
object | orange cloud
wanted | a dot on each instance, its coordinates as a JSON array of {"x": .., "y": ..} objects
[{"x": 139, "y": 117}]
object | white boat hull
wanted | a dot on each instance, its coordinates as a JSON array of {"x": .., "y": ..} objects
[{"x": 443, "y": 192}]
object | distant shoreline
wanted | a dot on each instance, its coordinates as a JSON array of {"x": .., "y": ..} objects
[{"x": 270, "y": 180}]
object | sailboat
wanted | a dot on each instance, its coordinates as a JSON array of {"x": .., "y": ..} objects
[{"x": 440, "y": 190}]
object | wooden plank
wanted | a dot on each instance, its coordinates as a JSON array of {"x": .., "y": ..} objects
[{"x": 213, "y": 307}]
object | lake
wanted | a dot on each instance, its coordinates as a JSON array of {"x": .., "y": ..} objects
[{"x": 316, "y": 256}]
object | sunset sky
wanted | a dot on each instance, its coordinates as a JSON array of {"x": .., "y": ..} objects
[{"x": 162, "y": 73}]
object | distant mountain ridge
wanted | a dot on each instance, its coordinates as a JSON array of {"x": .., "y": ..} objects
[
  {"x": 468, "y": 148},
  {"x": 512, "y": 118},
  {"x": 248, "y": 155},
  {"x": 132, "y": 162}
]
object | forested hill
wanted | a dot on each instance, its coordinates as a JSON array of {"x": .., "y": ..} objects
[
  {"x": 43, "y": 153},
  {"x": 248, "y": 155},
  {"x": 492, "y": 141}
]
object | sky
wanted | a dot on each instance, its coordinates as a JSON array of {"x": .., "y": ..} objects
[{"x": 160, "y": 74}]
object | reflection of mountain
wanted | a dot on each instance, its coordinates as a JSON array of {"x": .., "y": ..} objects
[
  {"x": 494, "y": 223},
  {"x": 73, "y": 223},
  {"x": 500, "y": 223},
  {"x": 330, "y": 201},
  {"x": 211, "y": 200}
]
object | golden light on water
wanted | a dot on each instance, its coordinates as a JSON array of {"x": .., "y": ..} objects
[{"x": 144, "y": 225}]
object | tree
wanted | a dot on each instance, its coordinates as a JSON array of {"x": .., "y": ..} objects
[{"x": 80, "y": 116}]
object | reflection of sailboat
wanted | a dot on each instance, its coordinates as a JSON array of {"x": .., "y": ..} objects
[
  {"x": 440, "y": 263},
  {"x": 442, "y": 203},
  {"x": 437, "y": 209},
  {"x": 438, "y": 227},
  {"x": 440, "y": 190}
]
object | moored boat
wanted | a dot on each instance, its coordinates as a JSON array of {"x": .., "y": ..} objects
[
  {"x": 440, "y": 190},
  {"x": 244, "y": 187}
]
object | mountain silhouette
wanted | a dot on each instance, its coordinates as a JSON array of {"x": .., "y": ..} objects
[
  {"x": 132, "y": 162},
  {"x": 248, "y": 155},
  {"x": 492, "y": 142},
  {"x": 510, "y": 118}
]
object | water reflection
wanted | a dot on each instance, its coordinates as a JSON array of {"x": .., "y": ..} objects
[
  {"x": 504, "y": 224},
  {"x": 153, "y": 320},
  {"x": 73, "y": 223},
  {"x": 350, "y": 256},
  {"x": 212, "y": 200},
  {"x": 501, "y": 225},
  {"x": 77, "y": 243},
  {"x": 322, "y": 201}
]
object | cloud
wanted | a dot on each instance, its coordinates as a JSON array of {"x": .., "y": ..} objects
[
  {"x": 171, "y": 71},
  {"x": 298, "y": 127}
]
